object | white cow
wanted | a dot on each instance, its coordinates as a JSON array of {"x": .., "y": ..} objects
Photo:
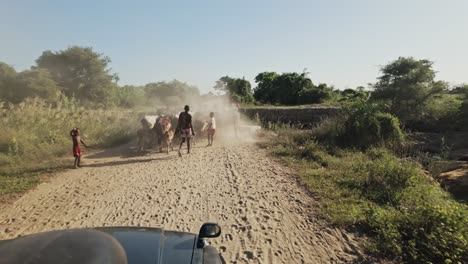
[{"x": 145, "y": 134}]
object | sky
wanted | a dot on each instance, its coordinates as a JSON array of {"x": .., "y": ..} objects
[{"x": 339, "y": 42}]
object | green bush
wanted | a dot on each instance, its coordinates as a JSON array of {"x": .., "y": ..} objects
[
  {"x": 441, "y": 114},
  {"x": 361, "y": 125},
  {"x": 426, "y": 228},
  {"x": 387, "y": 177},
  {"x": 367, "y": 126},
  {"x": 384, "y": 224},
  {"x": 463, "y": 120},
  {"x": 417, "y": 220}
]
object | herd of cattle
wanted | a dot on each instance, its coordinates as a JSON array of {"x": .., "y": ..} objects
[{"x": 159, "y": 131}]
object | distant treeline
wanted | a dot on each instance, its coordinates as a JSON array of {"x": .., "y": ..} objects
[
  {"x": 406, "y": 88},
  {"x": 83, "y": 74}
]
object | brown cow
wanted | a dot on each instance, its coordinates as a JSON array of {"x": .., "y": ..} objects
[
  {"x": 167, "y": 139},
  {"x": 164, "y": 132}
]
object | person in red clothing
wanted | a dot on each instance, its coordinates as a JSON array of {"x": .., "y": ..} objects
[
  {"x": 77, "y": 153},
  {"x": 185, "y": 128}
]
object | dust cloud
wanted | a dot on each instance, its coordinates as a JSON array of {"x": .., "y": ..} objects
[{"x": 231, "y": 126}]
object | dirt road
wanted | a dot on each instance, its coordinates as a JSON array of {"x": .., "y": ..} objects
[{"x": 265, "y": 216}]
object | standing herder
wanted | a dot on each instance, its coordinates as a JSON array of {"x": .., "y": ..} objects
[
  {"x": 77, "y": 153},
  {"x": 211, "y": 129},
  {"x": 186, "y": 129}
]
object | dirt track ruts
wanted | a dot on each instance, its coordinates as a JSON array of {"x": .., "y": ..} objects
[{"x": 265, "y": 216}]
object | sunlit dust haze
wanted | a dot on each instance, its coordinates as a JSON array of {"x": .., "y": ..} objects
[{"x": 226, "y": 115}]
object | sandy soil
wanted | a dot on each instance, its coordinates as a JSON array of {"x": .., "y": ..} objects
[
  {"x": 455, "y": 179},
  {"x": 265, "y": 216}
]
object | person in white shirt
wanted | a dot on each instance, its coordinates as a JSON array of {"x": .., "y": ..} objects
[{"x": 211, "y": 129}]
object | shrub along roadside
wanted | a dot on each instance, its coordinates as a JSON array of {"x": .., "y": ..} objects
[
  {"x": 409, "y": 217},
  {"x": 35, "y": 136},
  {"x": 361, "y": 125}
]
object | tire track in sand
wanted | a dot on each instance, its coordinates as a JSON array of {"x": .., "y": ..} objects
[{"x": 265, "y": 216}]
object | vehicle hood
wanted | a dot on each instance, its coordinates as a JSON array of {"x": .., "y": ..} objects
[{"x": 153, "y": 245}]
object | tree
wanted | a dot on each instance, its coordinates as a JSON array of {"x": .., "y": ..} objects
[
  {"x": 237, "y": 88},
  {"x": 289, "y": 89},
  {"x": 36, "y": 83},
  {"x": 406, "y": 85},
  {"x": 366, "y": 126},
  {"x": 169, "y": 93},
  {"x": 460, "y": 89},
  {"x": 350, "y": 95},
  {"x": 80, "y": 72},
  {"x": 265, "y": 90},
  {"x": 15, "y": 87},
  {"x": 291, "y": 86},
  {"x": 130, "y": 96},
  {"x": 311, "y": 94},
  {"x": 463, "y": 114},
  {"x": 7, "y": 81}
]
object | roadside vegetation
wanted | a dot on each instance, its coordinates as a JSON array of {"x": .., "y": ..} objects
[
  {"x": 406, "y": 213},
  {"x": 367, "y": 175},
  {"x": 34, "y": 136},
  {"x": 74, "y": 87}
]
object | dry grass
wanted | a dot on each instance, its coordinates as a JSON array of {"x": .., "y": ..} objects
[{"x": 35, "y": 136}]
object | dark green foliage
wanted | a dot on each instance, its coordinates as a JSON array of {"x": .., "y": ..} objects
[
  {"x": 7, "y": 82},
  {"x": 366, "y": 125},
  {"x": 238, "y": 89},
  {"x": 314, "y": 94},
  {"x": 464, "y": 115},
  {"x": 36, "y": 83},
  {"x": 406, "y": 85},
  {"x": 265, "y": 91},
  {"x": 348, "y": 95},
  {"x": 80, "y": 72},
  {"x": 387, "y": 177},
  {"x": 83, "y": 74},
  {"x": 426, "y": 227},
  {"x": 289, "y": 89},
  {"x": 361, "y": 125},
  {"x": 442, "y": 113},
  {"x": 15, "y": 87}
]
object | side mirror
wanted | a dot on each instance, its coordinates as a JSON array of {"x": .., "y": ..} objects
[{"x": 208, "y": 230}]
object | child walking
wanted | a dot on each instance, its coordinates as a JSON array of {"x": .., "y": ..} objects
[
  {"x": 77, "y": 153},
  {"x": 211, "y": 129}
]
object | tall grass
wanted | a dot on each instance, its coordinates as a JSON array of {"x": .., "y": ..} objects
[
  {"x": 407, "y": 215},
  {"x": 34, "y": 134}
]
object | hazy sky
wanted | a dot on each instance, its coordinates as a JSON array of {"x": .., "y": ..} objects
[{"x": 342, "y": 42}]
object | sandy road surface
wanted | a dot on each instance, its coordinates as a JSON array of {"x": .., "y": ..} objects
[{"x": 265, "y": 216}]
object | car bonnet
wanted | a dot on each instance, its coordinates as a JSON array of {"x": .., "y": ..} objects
[{"x": 154, "y": 245}]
